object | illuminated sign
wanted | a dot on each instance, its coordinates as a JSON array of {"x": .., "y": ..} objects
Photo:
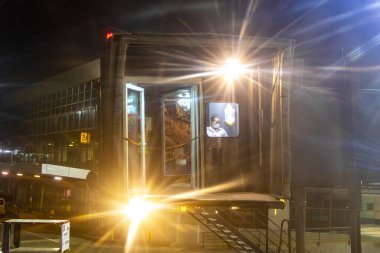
[
  {"x": 85, "y": 138},
  {"x": 65, "y": 237}
]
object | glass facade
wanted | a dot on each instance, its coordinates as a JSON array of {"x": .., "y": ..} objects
[{"x": 48, "y": 129}]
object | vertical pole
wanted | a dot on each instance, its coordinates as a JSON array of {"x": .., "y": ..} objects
[
  {"x": 6, "y": 236},
  {"x": 142, "y": 130},
  {"x": 42, "y": 195},
  {"x": 355, "y": 231},
  {"x": 16, "y": 234},
  {"x": 266, "y": 238},
  {"x": 354, "y": 212},
  {"x": 350, "y": 97},
  {"x": 289, "y": 238},
  {"x": 261, "y": 118},
  {"x": 299, "y": 205}
]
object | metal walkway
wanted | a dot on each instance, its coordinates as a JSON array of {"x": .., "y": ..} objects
[{"x": 224, "y": 230}]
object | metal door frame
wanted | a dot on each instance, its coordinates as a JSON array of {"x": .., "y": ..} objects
[
  {"x": 129, "y": 85},
  {"x": 133, "y": 81}
]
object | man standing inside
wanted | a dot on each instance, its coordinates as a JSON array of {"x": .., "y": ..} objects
[{"x": 215, "y": 130}]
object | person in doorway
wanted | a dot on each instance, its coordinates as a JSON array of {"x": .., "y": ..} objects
[{"x": 215, "y": 130}]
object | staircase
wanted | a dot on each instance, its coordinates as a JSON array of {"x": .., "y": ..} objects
[
  {"x": 225, "y": 231},
  {"x": 243, "y": 237}
]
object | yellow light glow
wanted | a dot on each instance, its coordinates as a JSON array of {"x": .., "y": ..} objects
[
  {"x": 232, "y": 69},
  {"x": 4, "y": 173},
  {"x": 58, "y": 178},
  {"x": 183, "y": 209},
  {"x": 37, "y": 176},
  {"x": 138, "y": 208},
  {"x": 19, "y": 174}
]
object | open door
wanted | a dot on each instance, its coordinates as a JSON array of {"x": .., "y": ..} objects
[
  {"x": 180, "y": 121},
  {"x": 134, "y": 139},
  {"x": 161, "y": 136}
]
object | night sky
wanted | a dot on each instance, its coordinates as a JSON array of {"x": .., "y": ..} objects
[{"x": 40, "y": 38}]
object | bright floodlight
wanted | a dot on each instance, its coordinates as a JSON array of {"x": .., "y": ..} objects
[
  {"x": 232, "y": 69},
  {"x": 138, "y": 208}
]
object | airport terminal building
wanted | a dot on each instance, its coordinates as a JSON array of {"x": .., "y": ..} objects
[{"x": 46, "y": 122}]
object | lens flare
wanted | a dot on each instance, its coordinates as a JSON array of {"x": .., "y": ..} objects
[
  {"x": 232, "y": 69},
  {"x": 137, "y": 210}
]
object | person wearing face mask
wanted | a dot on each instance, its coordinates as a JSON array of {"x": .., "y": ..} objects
[{"x": 215, "y": 130}]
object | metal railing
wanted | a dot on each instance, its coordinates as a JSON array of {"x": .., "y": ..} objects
[{"x": 273, "y": 237}]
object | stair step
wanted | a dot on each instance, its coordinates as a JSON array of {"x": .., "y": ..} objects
[{"x": 225, "y": 231}]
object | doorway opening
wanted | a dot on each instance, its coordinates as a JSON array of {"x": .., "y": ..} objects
[{"x": 165, "y": 117}]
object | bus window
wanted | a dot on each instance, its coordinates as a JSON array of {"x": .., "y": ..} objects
[{"x": 223, "y": 120}]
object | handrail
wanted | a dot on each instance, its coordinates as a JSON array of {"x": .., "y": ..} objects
[
  {"x": 254, "y": 236},
  {"x": 279, "y": 227},
  {"x": 277, "y": 235},
  {"x": 272, "y": 222},
  {"x": 289, "y": 236},
  {"x": 247, "y": 231},
  {"x": 280, "y": 235},
  {"x": 232, "y": 229}
]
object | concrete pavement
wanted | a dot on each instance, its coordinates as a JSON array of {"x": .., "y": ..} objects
[{"x": 82, "y": 240}]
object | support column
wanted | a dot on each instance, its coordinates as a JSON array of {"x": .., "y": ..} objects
[
  {"x": 354, "y": 212},
  {"x": 349, "y": 120},
  {"x": 111, "y": 154},
  {"x": 299, "y": 205}
]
